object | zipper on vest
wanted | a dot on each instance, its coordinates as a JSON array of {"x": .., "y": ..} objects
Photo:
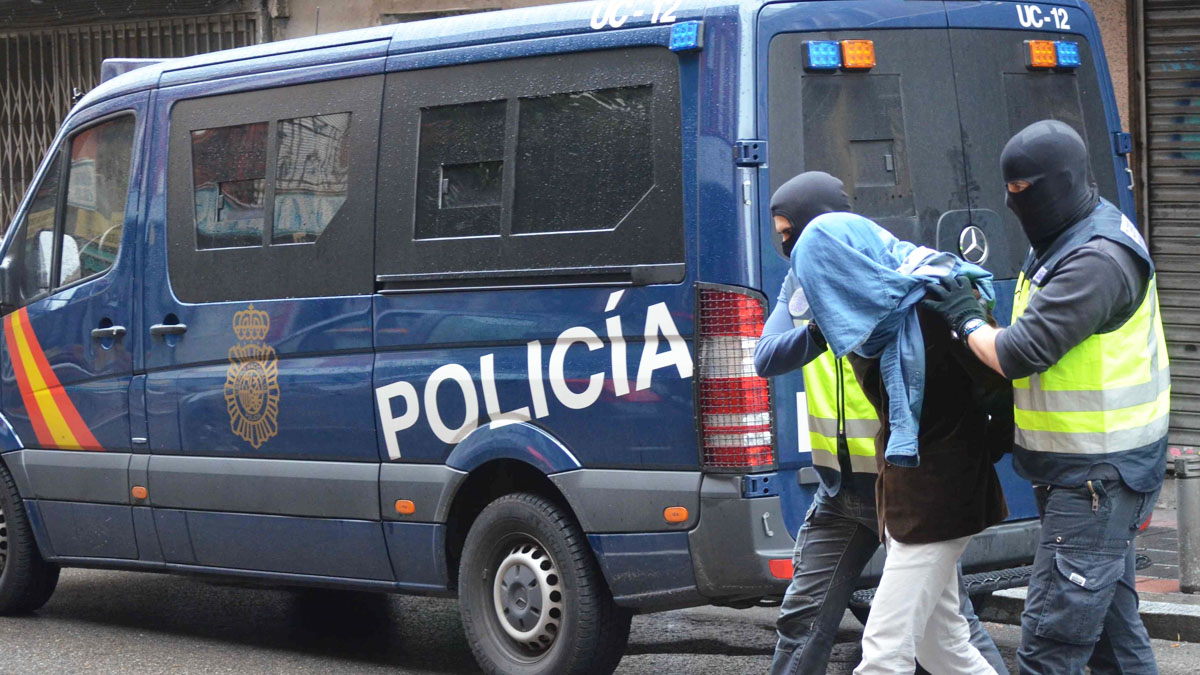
[{"x": 843, "y": 446}]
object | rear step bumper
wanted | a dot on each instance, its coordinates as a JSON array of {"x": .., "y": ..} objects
[{"x": 741, "y": 550}]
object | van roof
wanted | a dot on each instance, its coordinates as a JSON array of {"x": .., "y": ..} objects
[{"x": 416, "y": 36}]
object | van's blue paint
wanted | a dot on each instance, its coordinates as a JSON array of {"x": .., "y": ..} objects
[
  {"x": 647, "y": 569},
  {"x": 89, "y": 530},
  {"x": 418, "y": 555},
  {"x": 95, "y": 376},
  {"x": 520, "y": 441},
  {"x": 9, "y": 440},
  {"x": 317, "y": 546},
  {"x": 146, "y": 535}
]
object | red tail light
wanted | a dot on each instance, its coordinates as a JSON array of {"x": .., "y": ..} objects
[{"x": 735, "y": 403}]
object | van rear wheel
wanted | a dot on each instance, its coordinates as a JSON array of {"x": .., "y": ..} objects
[
  {"x": 26, "y": 581},
  {"x": 532, "y": 598}
]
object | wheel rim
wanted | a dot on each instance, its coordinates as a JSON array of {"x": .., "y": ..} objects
[
  {"x": 3, "y": 538},
  {"x": 527, "y": 597}
]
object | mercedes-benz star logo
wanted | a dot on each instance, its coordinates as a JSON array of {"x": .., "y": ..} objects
[{"x": 973, "y": 244}]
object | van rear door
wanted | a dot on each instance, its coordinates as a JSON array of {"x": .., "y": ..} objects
[{"x": 998, "y": 95}]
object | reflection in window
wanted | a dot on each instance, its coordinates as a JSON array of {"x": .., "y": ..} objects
[
  {"x": 584, "y": 159},
  {"x": 460, "y": 168},
  {"x": 97, "y": 186},
  {"x": 38, "y": 239},
  {"x": 229, "y": 173},
  {"x": 311, "y": 177}
]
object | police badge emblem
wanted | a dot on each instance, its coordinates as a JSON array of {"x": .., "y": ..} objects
[{"x": 252, "y": 380}]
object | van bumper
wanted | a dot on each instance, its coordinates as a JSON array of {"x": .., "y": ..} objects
[{"x": 741, "y": 550}]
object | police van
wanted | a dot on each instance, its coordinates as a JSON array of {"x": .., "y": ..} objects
[{"x": 466, "y": 307}]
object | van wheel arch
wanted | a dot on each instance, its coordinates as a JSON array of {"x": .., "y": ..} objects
[{"x": 481, "y": 487}]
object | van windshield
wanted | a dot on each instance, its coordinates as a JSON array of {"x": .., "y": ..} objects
[{"x": 917, "y": 138}]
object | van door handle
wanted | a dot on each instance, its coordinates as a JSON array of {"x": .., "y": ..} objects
[
  {"x": 168, "y": 329},
  {"x": 109, "y": 332}
]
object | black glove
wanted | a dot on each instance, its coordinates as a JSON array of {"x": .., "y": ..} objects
[
  {"x": 816, "y": 336},
  {"x": 953, "y": 298}
]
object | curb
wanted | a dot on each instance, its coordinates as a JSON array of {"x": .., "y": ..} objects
[{"x": 1164, "y": 620}]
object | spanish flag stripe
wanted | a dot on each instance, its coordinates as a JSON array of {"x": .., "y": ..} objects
[
  {"x": 35, "y": 414},
  {"x": 83, "y": 435},
  {"x": 65, "y": 423}
]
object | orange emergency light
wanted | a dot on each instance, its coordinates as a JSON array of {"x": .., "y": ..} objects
[
  {"x": 1041, "y": 53},
  {"x": 858, "y": 54}
]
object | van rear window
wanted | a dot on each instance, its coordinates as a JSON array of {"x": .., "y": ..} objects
[{"x": 530, "y": 171}]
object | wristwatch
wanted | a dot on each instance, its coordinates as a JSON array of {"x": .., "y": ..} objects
[{"x": 969, "y": 327}]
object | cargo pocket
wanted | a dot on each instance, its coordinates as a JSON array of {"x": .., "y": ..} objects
[{"x": 1079, "y": 595}]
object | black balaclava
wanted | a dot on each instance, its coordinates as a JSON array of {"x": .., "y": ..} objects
[
  {"x": 1053, "y": 158},
  {"x": 805, "y": 197}
]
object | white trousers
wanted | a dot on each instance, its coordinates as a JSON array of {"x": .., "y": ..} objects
[{"x": 915, "y": 614}]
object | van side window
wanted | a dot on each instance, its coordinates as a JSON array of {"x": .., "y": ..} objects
[
  {"x": 97, "y": 188},
  {"x": 273, "y": 203},
  {"x": 99, "y": 161},
  {"x": 229, "y": 169},
  {"x": 533, "y": 171},
  {"x": 460, "y": 170},
  {"x": 36, "y": 240}
]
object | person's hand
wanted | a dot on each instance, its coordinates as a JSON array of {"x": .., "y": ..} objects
[
  {"x": 953, "y": 298},
  {"x": 815, "y": 334}
]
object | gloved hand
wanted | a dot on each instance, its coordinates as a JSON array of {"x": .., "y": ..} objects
[
  {"x": 816, "y": 336},
  {"x": 953, "y": 298}
]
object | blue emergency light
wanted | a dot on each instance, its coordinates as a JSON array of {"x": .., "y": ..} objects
[
  {"x": 1068, "y": 54},
  {"x": 686, "y": 36},
  {"x": 822, "y": 55}
]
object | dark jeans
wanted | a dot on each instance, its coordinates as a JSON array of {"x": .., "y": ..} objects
[
  {"x": 1082, "y": 606},
  {"x": 836, "y": 542}
]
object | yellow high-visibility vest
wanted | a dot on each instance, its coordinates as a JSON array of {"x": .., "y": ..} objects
[
  {"x": 821, "y": 376},
  {"x": 1110, "y": 393}
]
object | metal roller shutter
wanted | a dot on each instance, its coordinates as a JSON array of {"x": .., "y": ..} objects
[
  {"x": 40, "y": 67},
  {"x": 1172, "y": 142}
]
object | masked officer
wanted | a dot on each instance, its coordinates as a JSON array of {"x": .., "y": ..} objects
[
  {"x": 840, "y": 533},
  {"x": 1091, "y": 393}
]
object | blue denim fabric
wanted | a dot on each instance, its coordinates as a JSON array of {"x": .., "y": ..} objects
[
  {"x": 863, "y": 286},
  {"x": 1082, "y": 606},
  {"x": 835, "y": 543}
]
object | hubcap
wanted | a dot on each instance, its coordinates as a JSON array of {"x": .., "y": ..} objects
[{"x": 528, "y": 597}]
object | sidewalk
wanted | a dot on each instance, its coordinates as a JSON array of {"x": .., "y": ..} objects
[{"x": 1167, "y": 613}]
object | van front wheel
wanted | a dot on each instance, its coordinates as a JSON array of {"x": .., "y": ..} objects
[
  {"x": 532, "y": 598},
  {"x": 26, "y": 581}
]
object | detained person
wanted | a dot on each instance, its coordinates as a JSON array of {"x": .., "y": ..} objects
[
  {"x": 841, "y": 531},
  {"x": 1091, "y": 394},
  {"x": 935, "y": 448}
]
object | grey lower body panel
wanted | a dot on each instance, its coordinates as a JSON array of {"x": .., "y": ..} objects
[
  {"x": 618, "y": 500},
  {"x": 71, "y": 475},
  {"x": 346, "y": 490}
]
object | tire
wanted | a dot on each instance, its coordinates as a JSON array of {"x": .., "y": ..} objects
[
  {"x": 26, "y": 581},
  {"x": 561, "y": 618}
]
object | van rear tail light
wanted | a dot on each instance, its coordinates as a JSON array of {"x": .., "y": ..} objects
[{"x": 736, "y": 427}]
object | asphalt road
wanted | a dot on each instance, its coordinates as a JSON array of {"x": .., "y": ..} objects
[{"x": 109, "y": 622}]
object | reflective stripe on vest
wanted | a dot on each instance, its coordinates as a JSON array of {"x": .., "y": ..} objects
[
  {"x": 861, "y": 422},
  {"x": 1110, "y": 393}
]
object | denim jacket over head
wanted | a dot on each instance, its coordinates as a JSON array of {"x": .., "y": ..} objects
[{"x": 863, "y": 285}]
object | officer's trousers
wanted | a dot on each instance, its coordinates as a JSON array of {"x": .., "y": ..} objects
[
  {"x": 1082, "y": 606},
  {"x": 838, "y": 538}
]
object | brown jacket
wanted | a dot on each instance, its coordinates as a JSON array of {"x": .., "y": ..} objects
[{"x": 955, "y": 491}]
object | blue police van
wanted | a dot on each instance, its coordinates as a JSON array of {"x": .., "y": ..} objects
[{"x": 466, "y": 307}]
